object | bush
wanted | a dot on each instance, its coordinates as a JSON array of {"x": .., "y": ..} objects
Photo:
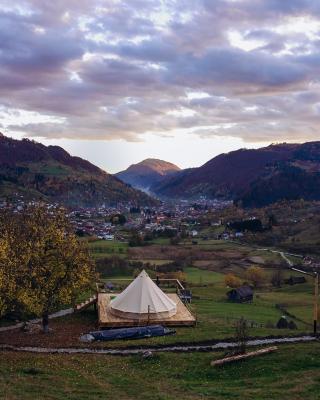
[
  {"x": 136, "y": 240},
  {"x": 114, "y": 265},
  {"x": 174, "y": 241}
]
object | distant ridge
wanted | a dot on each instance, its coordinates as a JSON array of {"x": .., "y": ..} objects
[
  {"x": 36, "y": 171},
  {"x": 147, "y": 173},
  {"x": 252, "y": 177}
]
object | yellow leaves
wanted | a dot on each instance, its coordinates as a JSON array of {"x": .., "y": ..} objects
[
  {"x": 232, "y": 281},
  {"x": 42, "y": 264},
  {"x": 256, "y": 275}
]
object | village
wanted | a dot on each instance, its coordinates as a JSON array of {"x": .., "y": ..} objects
[{"x": 108, "y": 222}]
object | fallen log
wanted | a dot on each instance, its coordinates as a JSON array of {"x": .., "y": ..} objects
[{"x": 239, "y": 357}]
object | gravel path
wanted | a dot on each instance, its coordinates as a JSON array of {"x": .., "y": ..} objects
[{"x": 180, "y": 348}]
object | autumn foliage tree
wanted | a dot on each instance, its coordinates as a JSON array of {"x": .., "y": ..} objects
[
  {"x": 232, "y": 281},
  {"x": 42, "y": 264},
  {"x": 256, "y": 276}
]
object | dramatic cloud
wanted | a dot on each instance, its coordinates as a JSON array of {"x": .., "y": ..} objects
[{"x": 125, "y": 69}]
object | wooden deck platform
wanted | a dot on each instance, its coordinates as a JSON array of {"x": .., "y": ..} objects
[{"x": 183, "y": 317}]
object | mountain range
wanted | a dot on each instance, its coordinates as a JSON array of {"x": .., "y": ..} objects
[
  {"x": 36, "y": 171},
  {"x": 148, "y": 173},
  {"x": 251, "y": 177}
]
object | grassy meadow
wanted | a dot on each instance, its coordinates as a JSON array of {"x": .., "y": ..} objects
[
  {"x": 216, "y": 316},
  {"x": 106, "y": 248},
  {"x": 291, "y": 373}
]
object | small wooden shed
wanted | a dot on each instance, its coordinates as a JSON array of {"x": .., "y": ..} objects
[
  {"x": 295, "y": 280},
  {"x": 242, "y": 294}
]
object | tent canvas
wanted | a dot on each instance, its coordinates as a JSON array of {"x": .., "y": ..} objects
[{"x": 143, "y": 299}]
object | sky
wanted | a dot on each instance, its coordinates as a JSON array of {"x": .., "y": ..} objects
[{"x": 117, "y": 81}]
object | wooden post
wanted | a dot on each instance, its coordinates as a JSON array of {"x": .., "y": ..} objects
[{"x": 315, "y": 308}]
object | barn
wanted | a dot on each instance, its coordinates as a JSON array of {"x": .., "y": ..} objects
[{"x": 242, "y": 294}]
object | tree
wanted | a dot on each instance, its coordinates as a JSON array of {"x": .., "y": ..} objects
[
  {"x": 256, "y": 275},
  {"x": 136, "y": 240},
  {"x": 241, "y": 335},
  {"x": 232, "y": 281},
  {"x": 277, "y": 278},
  {"x": 114, "y": 265},
  {"x": 118, "y": 219},
  {"x": 43, "y": 263},
  {"x": 272, "y": 220},
  {"x": 175, "y": 240},
  {"x": 9, "y": 296}
]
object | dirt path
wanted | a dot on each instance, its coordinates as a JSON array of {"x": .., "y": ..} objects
[{"x": 61, "y": 313}]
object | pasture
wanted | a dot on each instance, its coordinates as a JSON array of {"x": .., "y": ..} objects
[
  {"x": 168, "y": 376},
  {"x": 293, "y": 372},
  {"x": 216, "y": 316}
]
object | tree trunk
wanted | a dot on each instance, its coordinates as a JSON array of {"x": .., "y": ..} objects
[
  {"x": 45, "y": 322},
  {"x": 244, "y": 356}
]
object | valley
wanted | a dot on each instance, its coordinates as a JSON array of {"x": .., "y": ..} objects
[
  {"x": 212, "y": 246},
  {"x": 159, "y": 200}
]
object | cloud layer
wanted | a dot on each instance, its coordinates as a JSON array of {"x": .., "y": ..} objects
[{"x": 103, "y": 70}]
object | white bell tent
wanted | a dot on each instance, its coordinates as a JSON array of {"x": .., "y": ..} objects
[{"x": 143, "y": 299}]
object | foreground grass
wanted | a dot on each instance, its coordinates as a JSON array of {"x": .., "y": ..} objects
[{"x": 291, "y": 373}]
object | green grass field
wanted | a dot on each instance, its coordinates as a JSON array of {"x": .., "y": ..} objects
[
  {"x": 161, "y": 241},
  {"x": 200, "y": 276},
  {"x": 292, "y": 373},
  {"x": 216, "y": 316},
  {"x": 106, "y": 248}
]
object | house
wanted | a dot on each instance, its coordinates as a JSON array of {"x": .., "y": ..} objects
[
  {"x": 108, "y": 237},
  {"x": 294, "y": 280},
  {"x": 242, "y": 294}
]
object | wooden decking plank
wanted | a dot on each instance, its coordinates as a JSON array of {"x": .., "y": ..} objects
[{"x": 183, "y": 317}]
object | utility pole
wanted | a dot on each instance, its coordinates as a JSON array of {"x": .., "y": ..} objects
[{"x": 316, "y": 298}]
